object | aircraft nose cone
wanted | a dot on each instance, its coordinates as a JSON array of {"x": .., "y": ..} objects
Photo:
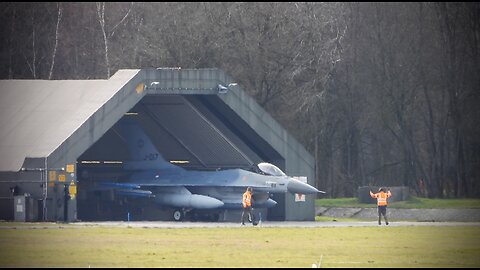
[
  {"x": 295, "y": 186},
  {"x": 205, "y": 202}
]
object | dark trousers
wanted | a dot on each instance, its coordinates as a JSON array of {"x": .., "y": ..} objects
[
  {"x": 247, "y": 212},
  {"x": 382, "y": 210}
]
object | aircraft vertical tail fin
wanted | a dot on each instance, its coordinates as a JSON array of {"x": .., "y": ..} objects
[{"x": 144, "y": 155}]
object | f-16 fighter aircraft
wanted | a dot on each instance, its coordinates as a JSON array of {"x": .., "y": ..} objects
[{"x": 185, "y": 190}]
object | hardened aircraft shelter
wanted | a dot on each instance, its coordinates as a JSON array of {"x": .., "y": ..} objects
[{"x": 58, "y": 139}]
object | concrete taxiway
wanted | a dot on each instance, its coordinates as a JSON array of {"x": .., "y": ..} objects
[{"x": 266, "y": 224}]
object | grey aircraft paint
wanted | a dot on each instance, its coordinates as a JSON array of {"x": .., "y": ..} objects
[{"x": 170, "y": 185}]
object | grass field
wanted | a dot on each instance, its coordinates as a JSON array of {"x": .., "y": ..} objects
[
  {"x": 412, "y": 202},
  {"x": 410, "y": 246}
]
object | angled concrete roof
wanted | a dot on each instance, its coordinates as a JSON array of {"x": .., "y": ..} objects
[
  {"x": 60, "y": 120},
  {"x": 37, "y": 116}
]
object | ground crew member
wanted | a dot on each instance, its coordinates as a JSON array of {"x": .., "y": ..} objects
[
  {"x": 247, "y": 205},
  {"x": 381, "y": 203}
]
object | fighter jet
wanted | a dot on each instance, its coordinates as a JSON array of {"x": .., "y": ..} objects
[{"x": 185, "y": 190}]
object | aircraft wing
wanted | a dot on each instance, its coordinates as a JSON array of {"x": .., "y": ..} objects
[
  {"x": 139, "y": 185},
  {"x": 135, "y": 193}
]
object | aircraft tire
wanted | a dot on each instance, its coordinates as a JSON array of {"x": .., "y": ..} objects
[{"x": 178, "y": 215}]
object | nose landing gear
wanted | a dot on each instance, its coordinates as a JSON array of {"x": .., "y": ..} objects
[{"x": 195, "y": 215}]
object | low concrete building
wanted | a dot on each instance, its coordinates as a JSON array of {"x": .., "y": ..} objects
[{"x": 57, "y": 138}]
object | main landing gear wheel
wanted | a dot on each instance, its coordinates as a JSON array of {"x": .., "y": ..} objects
[{"x": 178, "y": 215}]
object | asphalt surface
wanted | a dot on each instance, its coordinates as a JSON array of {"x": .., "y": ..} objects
[
  {"x": 423, "y": 215},
  {"x": 267, "y": 224}
]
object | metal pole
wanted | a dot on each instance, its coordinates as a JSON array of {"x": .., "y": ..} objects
[{"x": 45, "y": 190}]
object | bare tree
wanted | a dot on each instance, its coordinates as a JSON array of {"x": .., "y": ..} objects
[
  {"x": 379, "y": 93},
  {"x": 106, "y": 33},
  {"x": 10, "y": 47},
  {"x": 33, "y": 64},
  {"x": 59, "y": 18}
]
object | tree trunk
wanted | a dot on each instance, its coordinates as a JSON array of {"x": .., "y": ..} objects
[{"x": 59, "y": 18}]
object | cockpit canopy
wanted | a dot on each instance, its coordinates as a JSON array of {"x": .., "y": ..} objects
[{"x": 270, "y": 169}]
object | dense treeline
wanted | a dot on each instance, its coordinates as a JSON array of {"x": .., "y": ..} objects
[{"x": 379, "y": 93}]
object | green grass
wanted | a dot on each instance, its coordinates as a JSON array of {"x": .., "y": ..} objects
[
  {"x": 30, "y": 224},
  {"x": 412, "y": 202},
  {"x": 422, "y": 246},
  {"x": 341, "y": 202}
]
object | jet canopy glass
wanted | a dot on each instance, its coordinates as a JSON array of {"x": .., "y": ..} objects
[{"x": 270, "y": 169}]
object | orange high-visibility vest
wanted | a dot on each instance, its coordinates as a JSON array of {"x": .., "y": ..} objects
[
  {"x": 247, "y": 197},
  {"x": 381, "y": 197}
]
